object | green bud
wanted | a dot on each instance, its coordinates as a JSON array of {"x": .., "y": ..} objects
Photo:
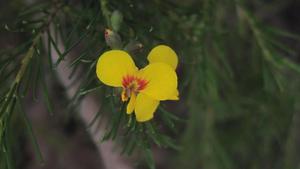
[
  {"x": 113, "y": 39},
  {"x": 133, "y": 46},
  {"x": 116, "y": 20}
]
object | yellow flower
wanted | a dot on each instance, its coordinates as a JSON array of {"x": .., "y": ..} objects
[{"x": 146, "y": 87}]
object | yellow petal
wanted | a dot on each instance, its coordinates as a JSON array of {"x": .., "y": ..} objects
[
  {"x": 175, "y": 95},
  {"x": 162, "y": 81},
  {"x": 145, "y": 107},
  {"x": 165, "y": 54},
  {"x": 113, "y": 65},
  {"x": 131, "y": 104}
]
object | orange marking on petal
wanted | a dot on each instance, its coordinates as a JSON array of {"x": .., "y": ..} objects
[
  {"x": 127, "y": 80},
  {"x": 142, "y": 84},
  {"x": 132, "y": 84}
]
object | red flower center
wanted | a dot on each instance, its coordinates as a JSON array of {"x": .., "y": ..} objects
[{"x": 132, "y": 84}]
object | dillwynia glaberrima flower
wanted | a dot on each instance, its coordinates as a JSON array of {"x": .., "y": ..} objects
[{"x": 143, "y": 88}]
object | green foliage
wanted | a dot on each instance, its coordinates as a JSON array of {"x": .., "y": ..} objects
[{"x": 238, "y": 81}]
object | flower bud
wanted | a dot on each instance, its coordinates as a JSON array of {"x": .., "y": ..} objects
[
  {"x": 133, "y": 46},
  {"x": 116, "y": 20},
  {"x": 112, "y": 39}
]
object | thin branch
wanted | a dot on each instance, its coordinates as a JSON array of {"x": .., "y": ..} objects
[{"x": 105, "y": 11}]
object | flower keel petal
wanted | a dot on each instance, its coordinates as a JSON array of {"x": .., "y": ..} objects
[
  {"x": 131, "y": 104},
  {"x": 145, "y": 107}
]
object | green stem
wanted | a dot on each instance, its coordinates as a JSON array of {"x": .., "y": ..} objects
[
  {"x": 26, "y": 60},
  {"x": 105, "y": 11},
  {"x": 11, "y": 94}
]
